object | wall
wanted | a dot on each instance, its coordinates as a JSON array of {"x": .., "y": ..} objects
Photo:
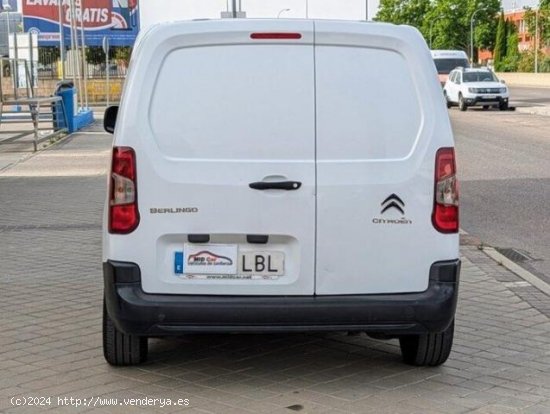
[
  {"x": 526, "y": 79},
  {"x": 97, "y": 89}
]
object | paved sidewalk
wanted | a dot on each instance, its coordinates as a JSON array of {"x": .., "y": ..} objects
[{"x": 50, "y": 332}]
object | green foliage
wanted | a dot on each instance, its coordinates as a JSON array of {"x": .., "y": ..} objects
[
  {"x": 500, "y": 43},
  {"x": 526, "y": 61},
  {"x": 543, "y": 22},
  {"x": 409, "y": 12},
  {"x": 449, "y": 20},
  {"x": 95, "y": 55},
  {"x": 544, "y": 64},
  {"x": 510, "y": 62},
  {"x": 48, "y": 55},
  {"x": 122, "y": 54}
]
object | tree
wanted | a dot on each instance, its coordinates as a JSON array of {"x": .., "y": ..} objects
[
  {"x": 122, "y": 55},
  {"x": 411, "y": 12},
  {"x": 500, "y": 43},
  {"x": 449, "y": 19},
  {"x": 543, "y": 22},
  {"x": 95, "y": 55},
  {"x": 511, "y": 60}
]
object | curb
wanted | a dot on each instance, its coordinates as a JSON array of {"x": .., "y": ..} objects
[
  {"x": 534, "y": 110},
  {"x": 32, "y": 154},
  {"x": 517, "y": 270},
  {"x": 510, "y": 265}
]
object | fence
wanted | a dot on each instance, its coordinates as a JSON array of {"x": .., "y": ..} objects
[{"x": 49, "y": 67}]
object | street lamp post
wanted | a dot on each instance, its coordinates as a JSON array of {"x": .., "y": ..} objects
[
  {"x": 472, "y": 35},
  {"x": 61, "y": 39},
  {"x": 7, "y": 7},
  {"x": 307, "y": 9},
  {"x": 537, "y": 39},
  {"x": 281, "y": 12}
]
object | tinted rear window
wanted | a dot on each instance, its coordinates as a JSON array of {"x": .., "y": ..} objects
[
  {"x": 445, "y": 66},
  {"x": 479, "y": 77}
]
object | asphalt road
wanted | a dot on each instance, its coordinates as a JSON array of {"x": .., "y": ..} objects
[
  {"x": 504, "y": 163},
  {"x": 524, "y": 96}
]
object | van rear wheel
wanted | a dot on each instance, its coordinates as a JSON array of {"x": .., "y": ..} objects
[
  {"x": 428, "y": 349},
  {"x": 121, "y": 349}
]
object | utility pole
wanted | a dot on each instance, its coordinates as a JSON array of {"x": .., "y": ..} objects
[
  {"x": 234, "y": 8},
  {"x": 367, "y": 10},
  {"x": 537, "y": 39},
  {"x": 61, "y": 39}
]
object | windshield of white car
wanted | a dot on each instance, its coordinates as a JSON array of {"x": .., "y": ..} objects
[
  {"x": 445, "y": 66},
  {"x": 479, "y": 77}
]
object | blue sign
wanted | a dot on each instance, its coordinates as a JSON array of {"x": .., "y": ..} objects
[{"x": 116, "y": 19}]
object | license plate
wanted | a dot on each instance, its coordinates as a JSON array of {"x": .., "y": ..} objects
[
  {"x": 261, "y": 263},
  {"x": 489, "y": 97}
]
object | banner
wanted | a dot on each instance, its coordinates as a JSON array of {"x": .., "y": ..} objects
[{"x": 117, "y": 19}]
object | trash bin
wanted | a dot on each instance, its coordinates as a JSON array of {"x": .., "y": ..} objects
[{"x": 66, "y": 90}]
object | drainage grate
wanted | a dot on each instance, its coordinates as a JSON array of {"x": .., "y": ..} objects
[{"x": 515, "y": 255}]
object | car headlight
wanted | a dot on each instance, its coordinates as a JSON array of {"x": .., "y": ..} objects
[
  {"x": 473, "y": 90},
  {"x": 502, "y": 90}
]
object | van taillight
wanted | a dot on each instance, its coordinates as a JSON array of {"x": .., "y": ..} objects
[
  {"x": 445, "y": 214},
  {"x": 123, "y": 209},
  {"x": 275, "y": 35}
]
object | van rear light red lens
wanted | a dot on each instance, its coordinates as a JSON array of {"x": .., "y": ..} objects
[
  {"x": 123, "y": 208},
  {"x": 445, "y": 214},
  {"x": 276, "y": 36}
]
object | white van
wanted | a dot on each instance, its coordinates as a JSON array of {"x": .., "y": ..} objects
[
  {"x": 266, "y": 179},
  {"x": 447, "y": 60}
]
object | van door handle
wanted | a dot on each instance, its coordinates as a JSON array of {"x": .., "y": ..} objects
[{"x": 280, "y": 185}]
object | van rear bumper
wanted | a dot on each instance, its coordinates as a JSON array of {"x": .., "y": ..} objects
[{"x": 135, "y": 312}]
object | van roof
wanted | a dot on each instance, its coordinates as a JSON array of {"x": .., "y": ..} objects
[{"x": 439, "y": 54}]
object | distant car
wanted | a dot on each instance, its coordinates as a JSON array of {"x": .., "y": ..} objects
[
  {"x": 475, "y": 87},
  {"x": 447, "y": 60}
]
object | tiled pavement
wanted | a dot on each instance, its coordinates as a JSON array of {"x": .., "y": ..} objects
[{"x": 50, "y": 327}]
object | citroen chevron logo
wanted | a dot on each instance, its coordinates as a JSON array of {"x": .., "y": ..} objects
[{"x": 393, "y": 201}]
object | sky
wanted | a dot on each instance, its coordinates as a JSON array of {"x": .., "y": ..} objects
[{"x": 153, "y": 11}]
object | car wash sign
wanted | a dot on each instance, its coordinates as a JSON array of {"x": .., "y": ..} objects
[{"x": 116, "y": 19}]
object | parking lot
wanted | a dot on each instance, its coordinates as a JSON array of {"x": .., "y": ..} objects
[{"x": 50, "y": 337}]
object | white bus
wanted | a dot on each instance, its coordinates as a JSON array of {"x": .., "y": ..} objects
[{"x": 446, "y": 60}]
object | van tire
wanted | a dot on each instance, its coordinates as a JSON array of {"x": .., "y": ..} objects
[
  {"x": 430, "y": 349},
  {"x": 462, "y": 103},
  {"x": 503, "y": 106},
  {"x": 121, "y": 349},
  {"x": 449, "y": 104}
]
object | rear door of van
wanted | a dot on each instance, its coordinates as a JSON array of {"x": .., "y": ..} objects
[
  {"x": 221, "y": 116},
  {"x": 380, "y": 120}
]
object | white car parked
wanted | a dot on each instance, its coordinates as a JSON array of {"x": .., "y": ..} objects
[
  {"x": 475, "y": 87},
  {"x": 265, "y": 179}
]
